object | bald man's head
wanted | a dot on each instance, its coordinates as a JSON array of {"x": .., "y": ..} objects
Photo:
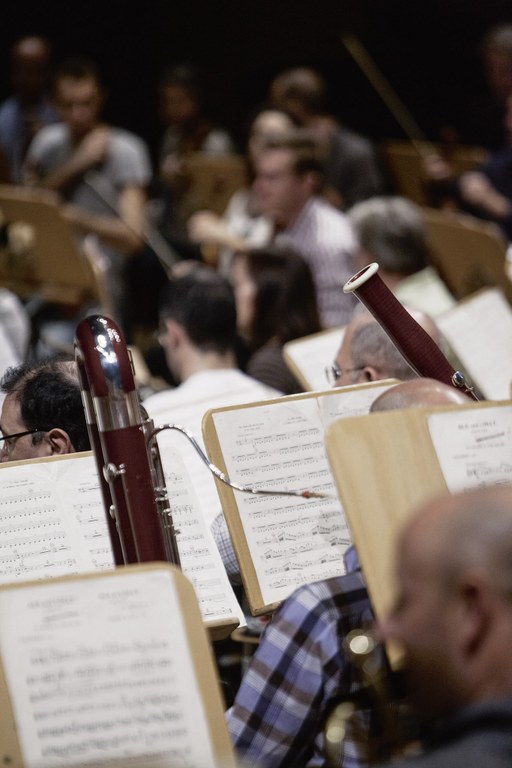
[
  {"x": 419, "y": 393},
  {"x": 453, "y": 614}
]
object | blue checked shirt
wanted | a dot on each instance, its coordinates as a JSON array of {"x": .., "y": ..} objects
[{"x": 299, "y": 668}]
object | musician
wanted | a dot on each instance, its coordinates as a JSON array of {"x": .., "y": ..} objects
[
  {"x": 391, "y": 231},
  {"x": 100, "y": 171},
  {"x": 28, "y": 108},
  {"x": 42, "y": 412},
  {"x": 300, "y": 665},
  {"x": 199, "y": 337},
  {"x": 367, "y": 353},
  {"x": 351, "y": 167},
  {"x": 453, "y": 619},
  {"x": 287, "y": 186}
]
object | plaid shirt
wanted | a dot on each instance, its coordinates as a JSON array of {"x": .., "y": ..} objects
[{"x": 299, "y": 668}]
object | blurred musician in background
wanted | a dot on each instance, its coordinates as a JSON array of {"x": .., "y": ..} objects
[
  {"x": 392, "y": 232},
  {"x": 453, "y": 620},
  {"x": 351, "y": 169},
  {"x": 42, "y": 412},
  {"x": 287, "y": 186},
  {"x": 29, "y": 107},
  {"x": 100, "y": 171}
]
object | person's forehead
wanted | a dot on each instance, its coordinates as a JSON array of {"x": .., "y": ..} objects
[
  {"x": 421, "y": 543},
  {"x": 72, "y": 87},
  {"x": 275, "y": 159},
  {"x": 10, "y": 416},
  {"x": 345, "y": 346}
]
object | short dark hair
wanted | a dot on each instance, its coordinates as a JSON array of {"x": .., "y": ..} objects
[
  {"x": 285, "y": 304},
  {"x": 202, "y": 302},
  {"x": 49, "y": 396},
  {"x": 78, "y": 68},
  {"x": 184, "y": 76},
  {"x": 306, "y": 153},
  {"x": 302, "y": 84}
]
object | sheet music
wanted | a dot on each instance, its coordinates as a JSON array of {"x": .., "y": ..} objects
[
  {"x": 52, "y": 520},
  {"x": 349, "y": 402},
  {"x": 172, "y": 443},
  {"x": 479, "y": 330},
  {"x": 53, "y": 523},
  {"x": 292, "y": 541},
  {"x": 200, "y": 558},
  {"x": 312, "y": 354},
  {"x": 123, "y": 694},
  {"x": 474, "y": 446}
]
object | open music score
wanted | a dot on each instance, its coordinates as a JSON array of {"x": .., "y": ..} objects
[
  {"x": 53, "y": 523},
  {"x": 109, "y": 669},
  {"x": 282, "y": 542},
  {"x": 479, "y": 330},
  {"x": 307, "y": 357},
  {"x": 411, "y": 456}
]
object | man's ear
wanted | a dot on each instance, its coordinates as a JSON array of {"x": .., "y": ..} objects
[
  {"x": 369, "y": 373},
  {"x": 59, "y": 442},
  {"x": 175, "y": 333},
  {"x": 477, "y": 606}
]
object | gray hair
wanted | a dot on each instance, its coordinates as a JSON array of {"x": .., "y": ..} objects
[
  {"x": 370, "y": 345},
  {"x": 392, "y": 230}
]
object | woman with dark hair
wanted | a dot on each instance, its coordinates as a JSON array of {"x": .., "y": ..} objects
[{"x": 276, "y": 302}]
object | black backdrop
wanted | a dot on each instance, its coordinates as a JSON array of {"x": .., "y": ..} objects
[{"x": 427, "y": 50}]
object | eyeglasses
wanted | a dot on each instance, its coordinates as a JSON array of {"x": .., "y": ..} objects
[
  {"x": 334, "y": 372},
  {"x": 11, "y": 438},
  {"x": 161, "y": 336}
]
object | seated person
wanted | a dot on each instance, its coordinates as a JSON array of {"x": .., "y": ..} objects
[
  {"x": 368, "y": 354},
  {"x": 242, "y": 225},
  {"x": 391, "y": 231},
  {"x": 453, "y": 620},
  {"x": 276, "y": 302},
  {"x": 351, "y": 169},
  {"x": 42, "y": 412},
  {"x": 101, "y": 172},
  {"x": 300, "y": 666},
  {"x": 199, "y": 337},
  {"x": 187, "y": 129}
]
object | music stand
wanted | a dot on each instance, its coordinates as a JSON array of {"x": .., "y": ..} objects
[
  {"x": 469, "y": 254},
  {"x": 54, "y": 267}
]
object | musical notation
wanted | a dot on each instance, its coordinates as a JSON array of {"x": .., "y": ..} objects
[
  {"x": 279, "y": 530},
  {"x": 474, "y": 447},
  {"x": 52, "y": 523},
  {"x": 127, "y": 695}
]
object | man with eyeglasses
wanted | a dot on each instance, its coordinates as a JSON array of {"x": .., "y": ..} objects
[
  {"x": 42, "y": 412},
  {"x": 368, "y": 354}
]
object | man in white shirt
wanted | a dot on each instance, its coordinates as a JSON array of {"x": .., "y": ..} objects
[{"x": 198, "y": 334}]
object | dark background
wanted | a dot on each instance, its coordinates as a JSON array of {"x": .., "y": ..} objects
[{"x": 428, "y": 51}]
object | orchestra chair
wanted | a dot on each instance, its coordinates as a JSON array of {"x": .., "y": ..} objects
[
  {"x": 403, "y": 162},
  {"x": 468, "y": 253},
  {"x": 52, "y": 268},
  {"x": 211, "y": 180}
]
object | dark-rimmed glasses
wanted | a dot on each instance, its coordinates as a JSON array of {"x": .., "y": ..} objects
[
  {"x": 16, "y": 435},
  {"x": 334, "y": 372}
]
